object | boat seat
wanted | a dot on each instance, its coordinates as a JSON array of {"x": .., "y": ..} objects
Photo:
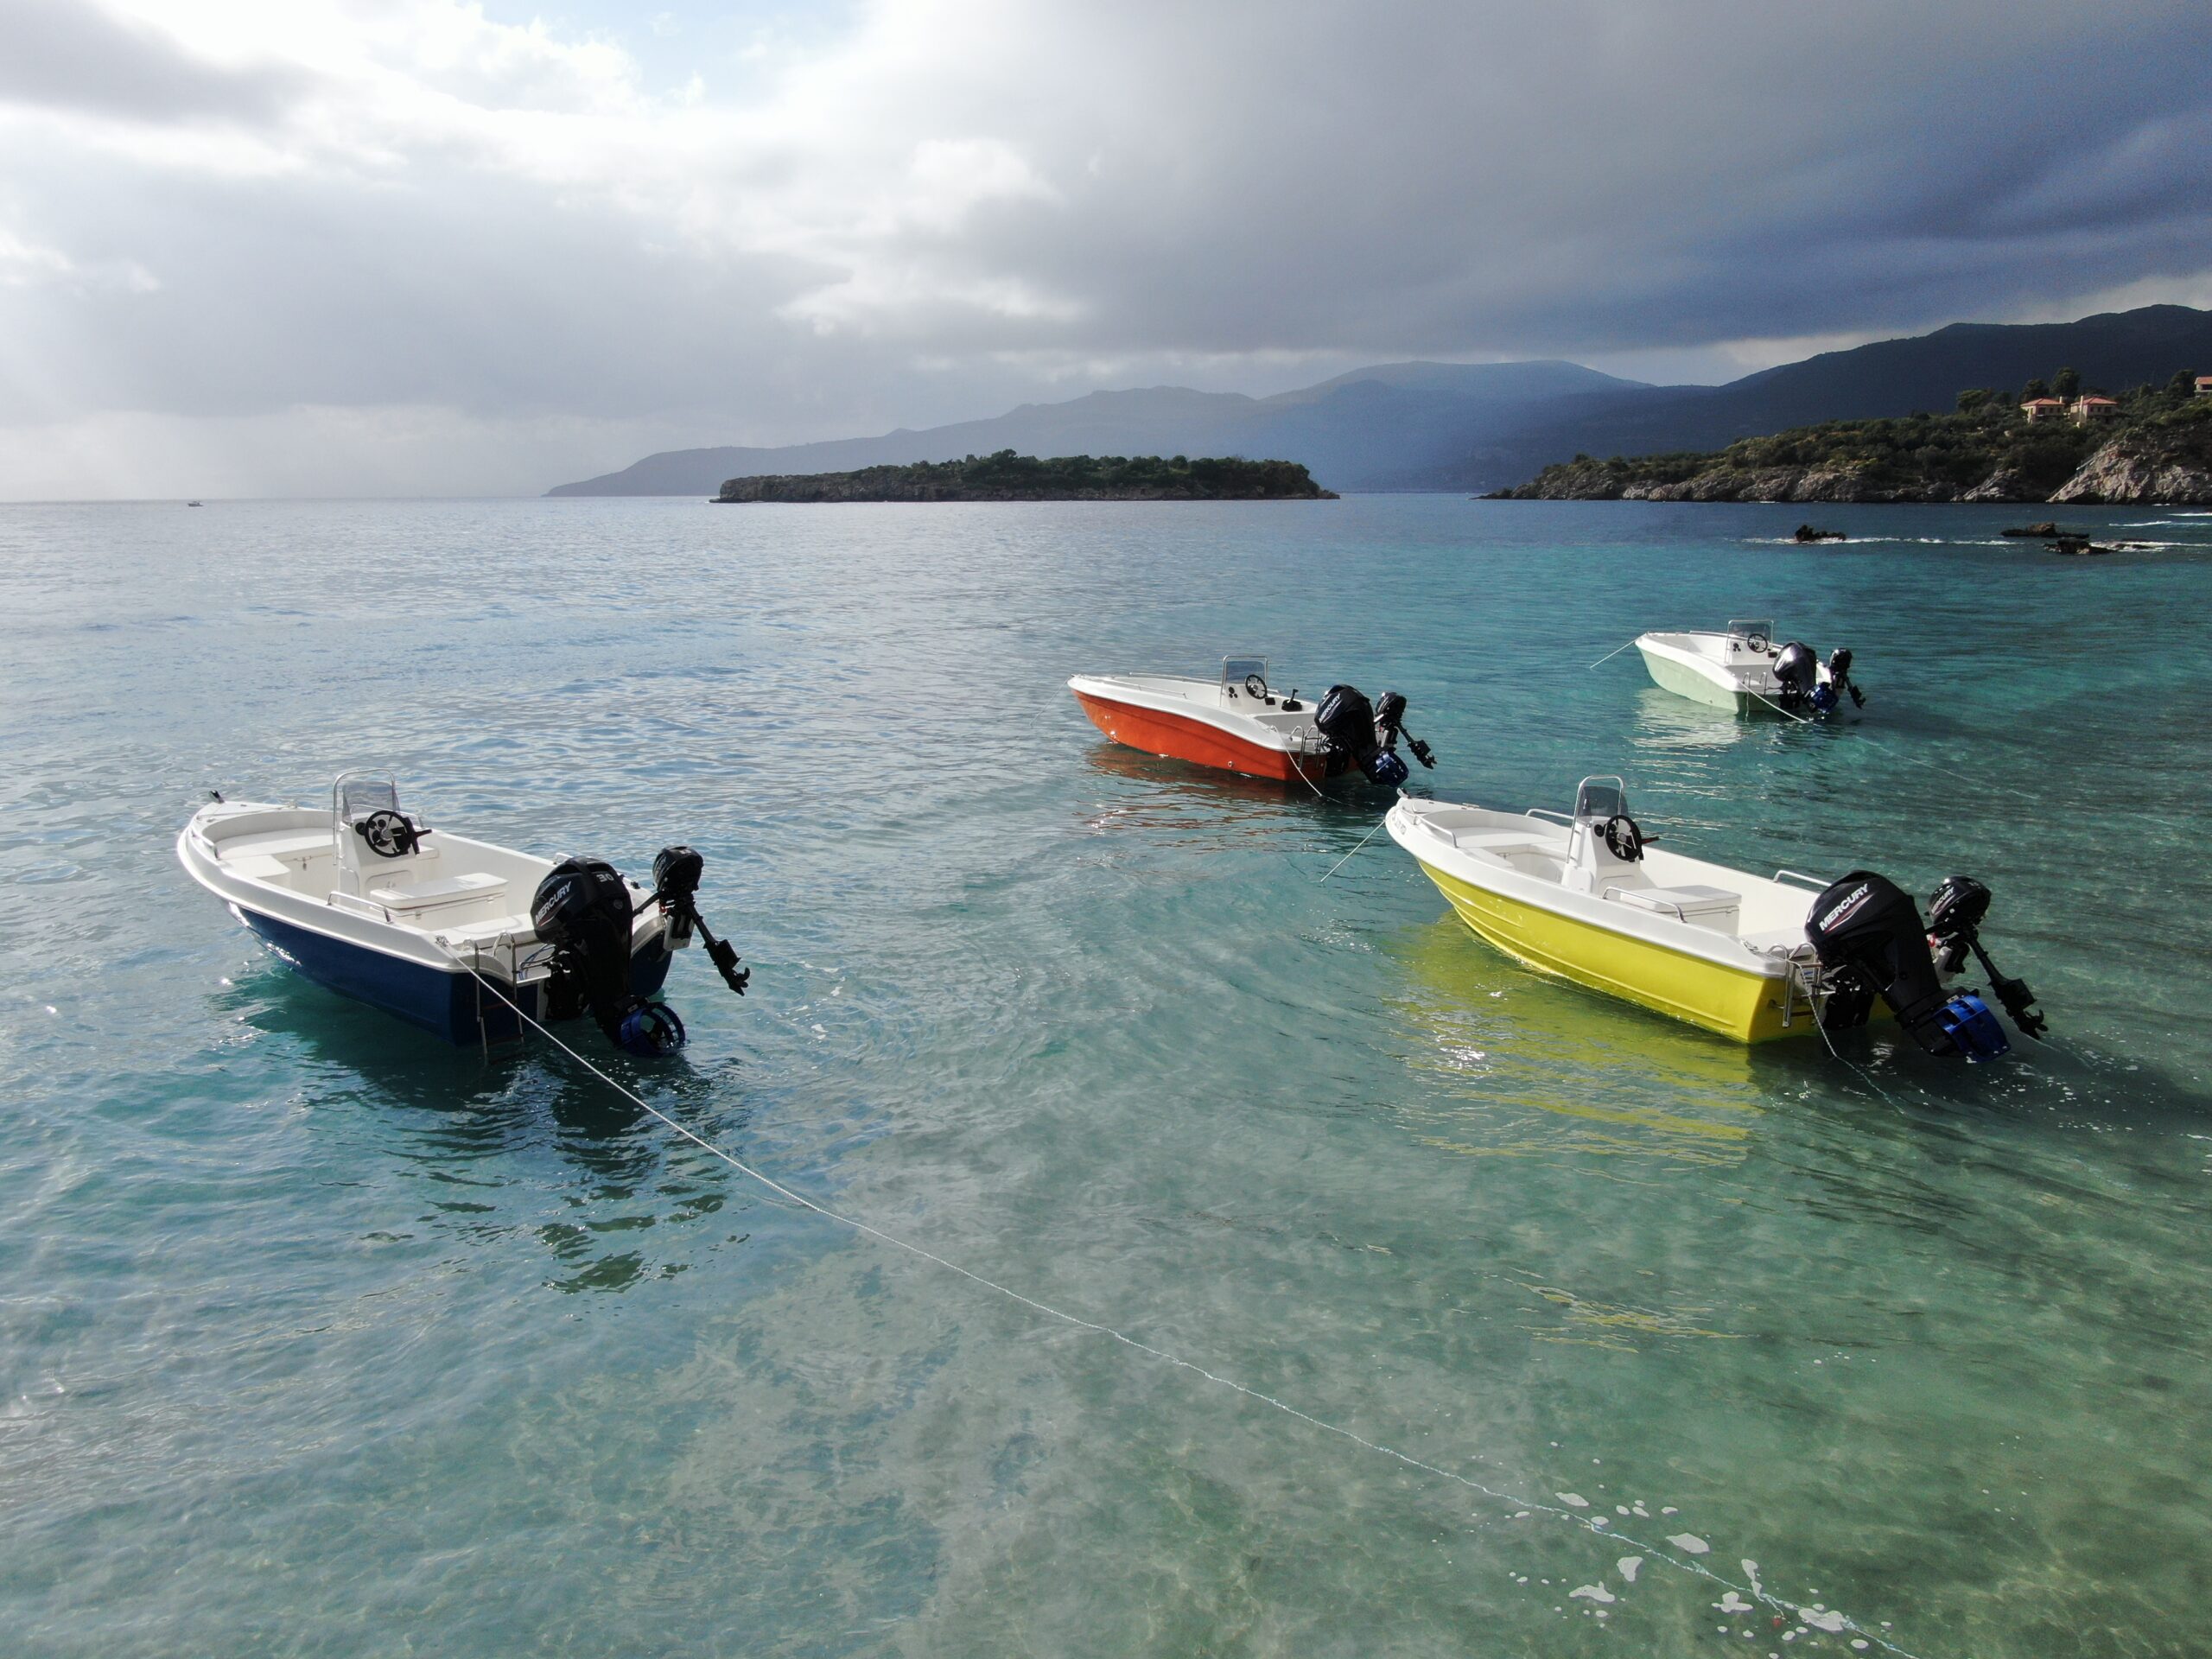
[
  {"x": 255, "y": 867},
  {"x": 472, "y": 888},
  {"x": 288, "y": 844},
  {"x": 1495, "y": 841},
  {"x": 1698, "y": 906}
]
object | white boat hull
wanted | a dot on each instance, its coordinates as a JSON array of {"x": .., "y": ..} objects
[{"x": 413, "y": 946}]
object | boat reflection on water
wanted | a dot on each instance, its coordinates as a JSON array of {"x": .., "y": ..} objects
[
  {"x": 1664, "y": 721},
  {"x": 1178, "y": 796},
  {"x": 1530, "y": 1066},
  {"x": 470, "y": 1134}
]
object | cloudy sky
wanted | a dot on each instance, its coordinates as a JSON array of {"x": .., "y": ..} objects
[{"x": 321, "y": 247}]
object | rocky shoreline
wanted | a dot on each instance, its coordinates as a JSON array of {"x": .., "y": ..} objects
[{"x": 2131, "y": 469}]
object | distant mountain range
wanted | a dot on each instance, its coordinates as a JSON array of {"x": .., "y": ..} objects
[{"x": 1481, "y": 426}]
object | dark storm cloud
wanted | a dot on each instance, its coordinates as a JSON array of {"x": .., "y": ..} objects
[
  {"x": 62, "y": 54},
  {"x": 958, "y": 204}
]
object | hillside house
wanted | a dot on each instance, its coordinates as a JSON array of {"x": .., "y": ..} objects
[
  {"x": 2044, "y": 409},
  {"x": 2086, "y": 409},
  {"x": 2204, "y": 385}
]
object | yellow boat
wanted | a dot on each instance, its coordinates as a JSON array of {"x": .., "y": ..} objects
[{"x": 1583, "y": 897}]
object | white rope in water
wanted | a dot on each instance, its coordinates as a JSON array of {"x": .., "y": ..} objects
[
  {"x": 1821, "y": 1026},
  {"x": 1610, "y": 655},
  {"x": 1364, "y": 840},
  {"x": 1802, "y": 720},
  {"x": 1597, "y": 1525}
]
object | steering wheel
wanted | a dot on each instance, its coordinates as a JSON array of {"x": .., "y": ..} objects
[
  {"x": 1257, "y": 685},
  {"x": 1623, "y": 839},
  {"x": 389, "y": 834},
  {"x": 1756, "y": 641}
]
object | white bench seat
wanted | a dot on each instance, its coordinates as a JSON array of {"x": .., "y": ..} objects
[
  {"x": 286, "y": 844},
  {"x": 475, "y": 887},
  {"x": 1698, "y": 906}
]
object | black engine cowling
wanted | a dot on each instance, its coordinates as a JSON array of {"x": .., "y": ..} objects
[
  {"x": 582, "y": 909},
  {"x": 1799, "y": 671},
  {"x": 1347, "y": 719}
]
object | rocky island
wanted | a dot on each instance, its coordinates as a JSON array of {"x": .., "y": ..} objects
[
  {"x": 1007, "y": 476},
  {"x": 2150, "y": 445}
]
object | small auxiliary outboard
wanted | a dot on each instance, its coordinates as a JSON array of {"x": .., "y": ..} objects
[
  {"x": 1826, "y": 697},
  {"x": 1954, "y": 913},
  {"x": 675, "y": 887},
  {"x": 582, "y": 909},
  {"x": 1869, "y": 940},
  {"x": 1367, "y": 734}
]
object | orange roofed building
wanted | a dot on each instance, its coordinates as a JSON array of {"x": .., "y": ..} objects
[
  {"x": 2044, "y": 409},
  {"x": 2086, "y": 409}
]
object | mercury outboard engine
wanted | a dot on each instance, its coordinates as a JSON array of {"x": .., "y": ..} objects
[
  {"x": 1799, "y": 671},
  {"x": 1368, "y": 735},
  {"x": 582, "y": 909},
  {"x": 1868, "y": 936}
]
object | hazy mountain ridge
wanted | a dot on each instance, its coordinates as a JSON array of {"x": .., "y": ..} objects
[
  {"x": 1484, "y": 426},
  {"x": 1394, "y": 425}
]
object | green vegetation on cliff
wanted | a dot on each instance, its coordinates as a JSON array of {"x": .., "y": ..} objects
[
  {"x": 2156, "y": 445},
  {"x": 1007, "y": 476}
]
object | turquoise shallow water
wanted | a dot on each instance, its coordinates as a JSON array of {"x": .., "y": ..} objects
[{"x": 316, "y": 1337}]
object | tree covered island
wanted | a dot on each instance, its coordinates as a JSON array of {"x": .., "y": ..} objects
[
  {"x": 2051, "y": 442},
  {"x": 1007, "y": 476}
]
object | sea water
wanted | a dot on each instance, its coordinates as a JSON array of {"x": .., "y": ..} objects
[{"x": 317, "y": 1337}]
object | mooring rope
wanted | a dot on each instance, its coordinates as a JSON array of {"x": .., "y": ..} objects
[
  {"x": 1610, "y": 655},
  {"x": 1598, "y": 1526},
  {"x": 1364, "y": 840}
]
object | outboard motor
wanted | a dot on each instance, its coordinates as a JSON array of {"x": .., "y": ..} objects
[
  {"x": 1367, "y": 736},
  {"x": 1799, "y": 671},
  {"x": 675, "y": 888},
  {"x": 583, "y": 910},
  {"x": 1390, "y": 725},
  {"x": 1954, "y": 913},
  {"x": 1839, "y": 681},
  {"x": 1868, "y": 935}
]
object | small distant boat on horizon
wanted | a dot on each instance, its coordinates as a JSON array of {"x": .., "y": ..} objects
[
  {"x": 192, "y": 504},
  {"x": 1239, "y": 723},
  {"x": 1743, "y": 668},
  {"x": 1751, "y": 958}
]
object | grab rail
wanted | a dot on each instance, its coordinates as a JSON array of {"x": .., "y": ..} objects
[
  {"x": 1545, "y": 813},
  {"x": 1800, "y": 875}
]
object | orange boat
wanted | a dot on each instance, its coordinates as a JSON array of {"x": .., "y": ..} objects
[{"x": 1240, "y": 723}]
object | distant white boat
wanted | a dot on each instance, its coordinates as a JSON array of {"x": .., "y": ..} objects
[{"x": 1743, "y": 669}]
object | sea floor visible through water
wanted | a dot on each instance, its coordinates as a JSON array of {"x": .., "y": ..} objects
[{"x": 317, "y": 1337}]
